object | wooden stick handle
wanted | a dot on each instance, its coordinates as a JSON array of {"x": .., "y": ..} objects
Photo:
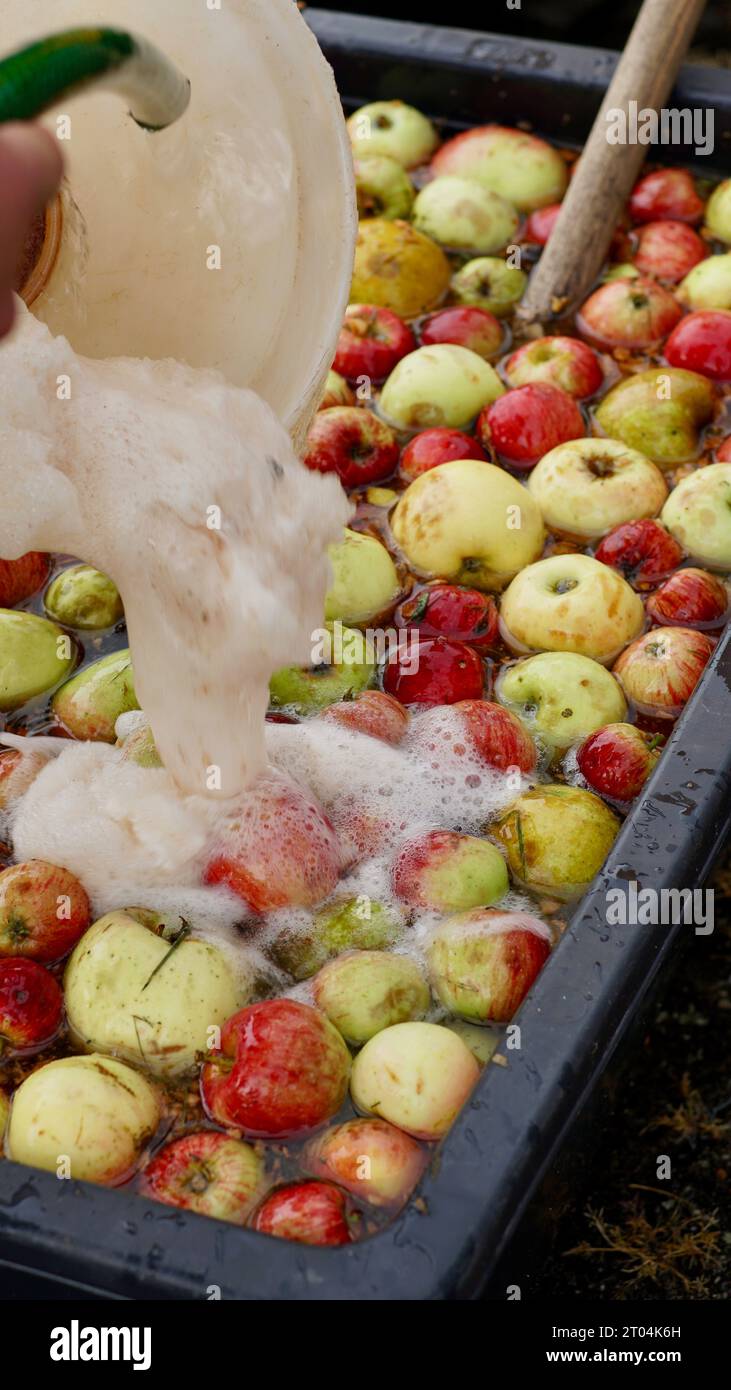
[{"x": 606, "y": 172}]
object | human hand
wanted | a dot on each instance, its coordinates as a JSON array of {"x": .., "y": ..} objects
[{"x": 30, "y": 171}]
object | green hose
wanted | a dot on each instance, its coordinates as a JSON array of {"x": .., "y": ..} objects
[{"x": 59, "y": 66}]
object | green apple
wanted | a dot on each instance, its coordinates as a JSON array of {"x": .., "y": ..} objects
[
  {"x": 625, "y": 271},
  {"x": 491, "y": 284},
  {"x": 482, "y": 963},
  {"x": 718, "y": 212},
  {"x": 561, "y": 696},
  {"x": 556, "y": 839},
  {"x": 34, "y": 656},
  {"x": 382, "y": 188},
  {"x": 134, "y": 994},
  {"x": 660, "y": 412},
  {"x": 365, "y": 991},
  {"x": 88, "y": 1118},
  {"x": 416, "y": 1075},
  {"x": 398, "y": 268},
  {"x": 307, "y": 689},
  {"x": 365, "y": 580},
  {"x": 482, "y": 1041},
  {"x": 90, "y": 704},
  {"x": 347, "y": 924},
  {"x": 445, "y": 871},
  {"x": 571, "y": 603},
  {"x": 441, "y": 385},
  {"x": 337, "y": 392},
  {"x": 85, "y": 598},
  {"x": 392, "y": 128},
  {"x": 470, "y": 522},
  {"x": 464, "y": 216},
  {"x": 588, "y": 486},
  {"x": 138, "y": 746},
  {"x": 708, "y": 284},
  {"x": 698, "y": 514},
  {"x": 519, "y": 166}
]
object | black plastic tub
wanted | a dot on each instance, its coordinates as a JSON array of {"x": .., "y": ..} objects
[{"x": 508, "y": 1165}]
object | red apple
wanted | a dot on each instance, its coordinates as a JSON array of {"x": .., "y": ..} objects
[
  {"x": 282, "y": 1070},
  {"x": 20, "y": 578},
  {"x": 279, "y": 850},
  {"x": 448, "y": 610},
  {"x": 617, "y": 760},
  {"x": 629, "y": 314},
  {"x": 372, "y": 1159},
  {"x": 371, "y": 712},
  {"x": 432, "y": 447},
  {"x": 666, "y": 194},
  {"x": 482, "y": 963},
  {"x": 467, "y": 326},
  {"x": 312, "y": 1213},
  {"x": 668, "y": 250},
  {"x": 476, "y": 729},
  {"x": 353, "y": 443},
  {"x": 723, "y": 453},
  {"x": 208, "y": 1173},
  {"x": 31, "y": 1004},
  {"x": 445, "y": 672},
  {"x": 661, "y": 669},
  {"x": 702, "y": 343},
  {"x": 43, "y": 911},
  {"x": 690, "y": 598},
  {"x": 372, "y": 340},
  {"x": 643, "y": 551},
  {"x": 362, "y": 831},
  {"x": 567, "y": 363},
  {"x": 528, "y": 422},
  {"x": 541, "y": 223}
]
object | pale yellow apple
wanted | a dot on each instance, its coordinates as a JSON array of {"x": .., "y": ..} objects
[
  {"x": 441, "y": 385},
  {"x": 588, "y": 486},
  {"x": 698, "y": 514},
  {"x": 470, "y": 522},
  {"x": 571, "y": 603},
  {"x": 365, "y": 580}
]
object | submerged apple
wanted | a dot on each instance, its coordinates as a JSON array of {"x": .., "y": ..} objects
[
  {"x": 444, "y": 385},
  {"x": 365, "y": 991},
  {"x": 668, "y": 250},
  {"x": 304, "y": 690},
  {"x": 31, "y": 1005},
  {"x": 382, "y": 187},
  {"x": 85, "y": 598},
  {"x": 561, "y": 696},
  {"x": 708, "y": 284},
  {"x": 432, "y": 447},
  {"x": 365, "y": 580},
  {"x": 461, "y": 214},
  {"x": 477, "y": 730},
  {"x": 483, "y": 963},
  {"x": 21, "y": 578},
  {"x": 587, "y": 486},
  {"x": 662, "y": 668},
  {"x": 312, "y": 1213},
  {"x": 529, "y": 421},
  {"x": 336, "y": 392},
  {"x": 43, "y": 911},
  {"x": 372, "y": 340},
  {"x": 448, "y": 872},
  {"x": 567, "y": 363},
  {"x": 394, "y": 129},
  {"x": 518, "y": 166},
  {"x": 208, "y": 1173},
  {"x": 659, "y": 412},
  {"x": 353, "y": 443},
  {"x": 490, "y": 284},
  {"x": 718, "y": 211},
  {"x": 643, "y": 551},
  {"x": 450, "y": 610},
  {"x": 415, "y": 1075},
  {"x": 372, "y": 1159},
  {"x": 571, "y": 603},
  {"x": 345, "y": 924},
  {"x": 371, "y": 712},
  {"x": 698, "y": 515},
  {"x": 702, "y": 343},
  {"x": 442, "y": 673},
  {"x": 632, "y": 313},
  {"x": 616, "y": 761},
  {"x": 556, "y": 839},
  {"x": 666, "y": 193},
  {"x": 690, "y": 598},
  {"x": 35, "y": 655},
  {"x": 89, "y": 705},
  {"x": 398, "y": 268},
  {"x": 468, "y": 327}
]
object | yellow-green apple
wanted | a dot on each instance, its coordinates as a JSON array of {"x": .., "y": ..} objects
[
  {"x": 372, "y": 340},
  {"x": 371, "y": 712},
  {"x": 571, "y": 603},
  {"x": 392, "y": 128},
  {"x": 89, "y": 705},
  {"x": 530, "y": 421},
  {"x": 662, "y": 668},
  {"x": 482, "y": 963},
  {"x": 382, "y": 187},
  {"x": 415, "y": 1075},
  {"x": 469, "y": 522},
  {"x": 345, "y": 924},
  {"x": 464, "y": 216},
  {"x": 150, "y": 1000},
  {"x": 304, "y": 690},
  {"x": 556, "y": 361},
  {"x": 94, "y": 1112},
  {"x": 365, "y": 584},
  {"x": 585, "y": 487},
  {"x": 690, "y": 598},
  {"x": 43, "y": 911},
  {"x": 561, "y": 696},
  {"x": 636, "y": 313},
  {"x": 698, "y": 514},
  {"x": 702, "y": 343},
  {"x": 353, "y": 443},
  {"x": 443, "y": 385},
  {"x": 449, "y": 872},
  {"x": 666, "y": 193},
  {"x": 518, "y": 166},
  {"x": 364, "y": 991},
  {"x": 643, "y": 551},
  {"x": 660, "y": 412},
  {"x": 467, "y": 326},
  {"x": 708, "y": 284},
  {"x": 482, "y": 1039},
  {"x": 311, "y": 1213},
  {"x": 277, "y": 848},
  {"x": 398, "y": 268},
  {"x": 372, "y": 1159},
  {"x": 616, "y": 761},
  {"x": 281, "y": 1070},
  {"x": 668, "y": 250},
  {"x": 336, "y": 392},
  {"x": 556, "y": 839},
  {"x": 486, "y": 733},
  {"x": 491, "y": 284},
  {"x": 83, "y": 597},
  {"x": 4, "y": 1115},
  {"x": 209, "y": 1173},
  {"x": 718, "y": 212},
  {"x": 35, "y": 655}
]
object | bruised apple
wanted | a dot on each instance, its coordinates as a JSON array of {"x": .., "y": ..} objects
[
  {"x": 398, "y": 268},
  {"x": 469, "y": 522},
  {"x": 571, "y": 603},
  {"x": 482, "y": 963},
  {"x": 659, "y": 412},
  {"x": 373, "y": 1160},
  {"x": 449, "y": 872},
  {"x": 365, "y": 991},
  {"x": 561, "y": 696},
  {"x": 89, "y": 705},
  {"x": 520, "y": 167},
  {"x": 394, "y": 129},
  {"x": 444, "y": 385},
  {"x": 415, "y": 1075},
  {"x": 585, "y": 487},
  {"x": 463, "y": 216},
  {"x": 345, "y": 667},
  {"x": 556, "y": 839},
  {"x": 698, "y": 514}
]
